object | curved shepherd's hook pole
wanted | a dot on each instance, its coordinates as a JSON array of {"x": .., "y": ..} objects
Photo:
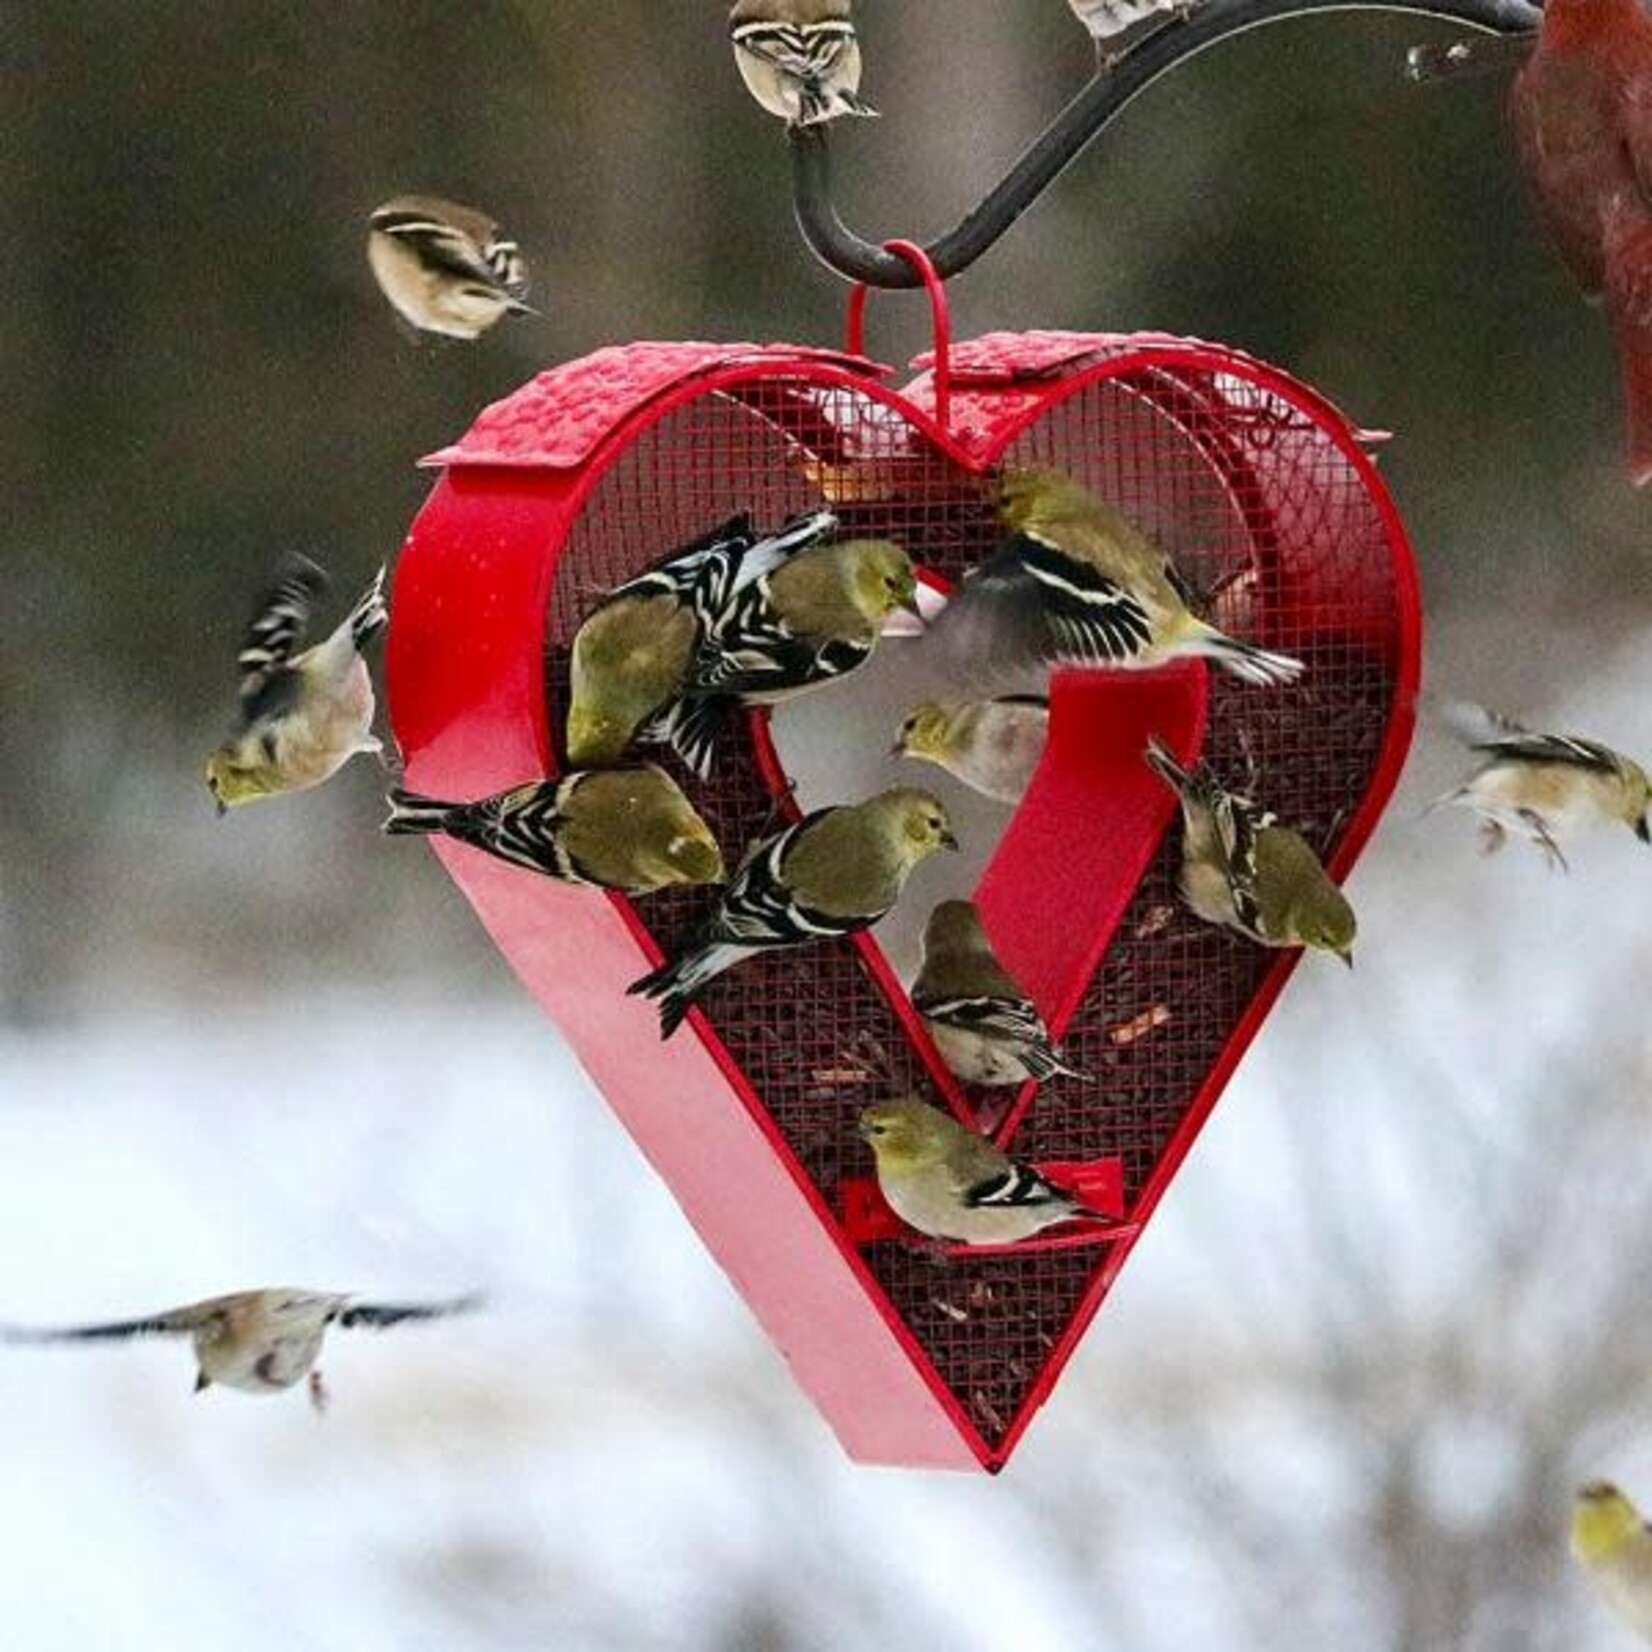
[{"x": 837, "y": 246}]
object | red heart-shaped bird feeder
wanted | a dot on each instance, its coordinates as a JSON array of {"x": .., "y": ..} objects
[{"x": 1267, "y": 500}]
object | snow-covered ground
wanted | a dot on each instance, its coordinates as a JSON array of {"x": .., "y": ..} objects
[{"x": 612, "y": 1457}]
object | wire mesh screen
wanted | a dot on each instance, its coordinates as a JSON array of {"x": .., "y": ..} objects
[{"x": 1279, "y": 538}]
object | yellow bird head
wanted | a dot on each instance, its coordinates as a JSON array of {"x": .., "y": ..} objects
[
  {"x": 881, "y": 578},
  {"x": 1637, "y": 792},
  {"x": 232, "y": 779},
  {"x": 1602, "y": 1520},
  {"x": 916, "y": 821},
  {"x": 904, "y": 1135},
  {"x": 1029, "y": 493},
  {"x": 925, "y": 733}
]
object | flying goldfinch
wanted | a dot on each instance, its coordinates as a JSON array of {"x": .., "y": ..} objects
[
  {"x": 947, "y": 1182},
  {"x": 1614, "y": 1546},
  {"x": 1109, "y": 20},
  {"x": 259, "y": 1341},
  {"x": 303, "y": 716},
  {"x": 444, "y": 267},
  {"x": 814, "y": 618},
  {"x": 1074, "y": 582},
  {"x": 631, "y": 656},
  {"x": 1243, "y": 870},
  {"x": 992, "y": 746},
  {"x": 799, "y": 58},
  {"x": 835, "y": 872},
  {"x": 1544, "y": 786},
  {"x": 987, "y": 1029},
  {"x": 626, "y": 829}
]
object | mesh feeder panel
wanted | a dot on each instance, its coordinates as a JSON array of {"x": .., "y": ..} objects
[{"x": 1263, "y": 497}]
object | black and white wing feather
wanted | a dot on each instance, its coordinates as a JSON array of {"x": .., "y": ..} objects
[
  {"x": 1019, "y": 1187},
  {"x": 268, "y": 684},
  {"x": 376, "y": 1316}
]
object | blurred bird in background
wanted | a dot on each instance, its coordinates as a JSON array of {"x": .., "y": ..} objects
[
  {"x": 1114, "y": 24},
  {"x": 799, "y": 58},
  {"x": 258, "y": 1341},
  {"x": 444, "y": 267},
  {"x": 992, "y": 746},
  {"x": 631, "y": 655},
  {"x": 302, "y": 716},
  {"x": 1543, "y": 786},
  {"x": 947, "y": 1182},
  {"x": 987, "y": 1029},
  {"x": 1243, "y": 870},
  {"x": 1582, "y": 115},
  {"x": 1614, "y": 1546},
  {"x": 814, "y": 618},
  {"x": 627, "y": 829},
  {"x": 1074, "y": 582},
  {"x": 835, "y": 872}
]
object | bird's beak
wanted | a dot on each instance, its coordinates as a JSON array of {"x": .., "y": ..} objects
[
  {"x": 949, "y": 839},
  {"x": 913, "y": 607},
  {"x": 898, "y": 749},
  {"x": 1347, "y": 958},
  {"x": 202, "y": 1381},
  {"x": 863, "y": 1130},
  {"x": 223, "y": 807},
  {"x": 1643, "y": 829}
]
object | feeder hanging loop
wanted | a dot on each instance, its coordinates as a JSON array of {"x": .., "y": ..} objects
[{"x": 856, "y": 259}]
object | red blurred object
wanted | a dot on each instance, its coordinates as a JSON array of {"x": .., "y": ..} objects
[
  {"x": 1265, "y": 497},
  {"x": 1582, "y": 114}
]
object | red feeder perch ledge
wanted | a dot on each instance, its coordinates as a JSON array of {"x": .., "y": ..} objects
[{"x": 1265, "y": 497}]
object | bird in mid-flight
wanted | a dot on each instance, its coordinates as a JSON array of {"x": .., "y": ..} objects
[
  {"x": 261, "y": 1342},
  {"x": 1113, "y": 23},
  {"x": 303, "y": 716},
  {"x": 445, "y": 268}
]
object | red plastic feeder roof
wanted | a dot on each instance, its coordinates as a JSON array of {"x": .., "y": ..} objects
[{"x": 1266, "y": 499}]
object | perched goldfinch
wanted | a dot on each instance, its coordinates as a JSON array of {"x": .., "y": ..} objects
[
  {"x": 1545, "y": 786},
  {"x": 993, "y": 746},
  {"x": 813, "y": 619},
  {"x": 259, "y": 1341},
  {"x": 626, "y": 829},
  {"x": 1614, "y": 1545},
  {"x": 444, "y": 267},
  {"x": 835, "y": 872},
  {"x": 1074, "y": 582},
  {"x": 947, "y": 1182},
  {"x": 1110, "y": 20},
  {"x": 632, "y": 654},
  {"x": 799, "y": 58},
  {"x": 987, "y": 1029},
  {"x": 1243, "y": 870},
  {"x": 304, "y": 716}
]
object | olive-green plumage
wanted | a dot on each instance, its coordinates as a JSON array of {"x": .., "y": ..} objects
[
  {"x": 629, "y": 829},
  {"x": 629, "y": 658},
  {"x": 1245, "y": 871},
  {"x": 1614, "y": 1546},
  {"x": 948, "y": 1182}
]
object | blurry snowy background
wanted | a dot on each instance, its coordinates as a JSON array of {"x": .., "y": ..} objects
[{"x": 1394, "y": 1308}]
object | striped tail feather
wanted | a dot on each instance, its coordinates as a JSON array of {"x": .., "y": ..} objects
[
  {"x": 692, "y": 728},
  {"x": 369, "y": 616},
  {"x": 414, "y": 816},
  {"x": 676, "y": 986},
  {"x": 1243, "y": 659}
]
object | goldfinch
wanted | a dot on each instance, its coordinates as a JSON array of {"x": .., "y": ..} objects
[
  {"x": 631, "y": 656},
  {"x": 1074, "y": 582},
  {"x": 1110, "y": 20},
  {"x": 1614, "y": 1546},
  {"x": 258, "y": 1341},
  {"x": 626, "y": 829},
  {"x": 947, "y": 1182},
  {"x": 835, "y": 872},
  {"x": 303, "y": 716},
  {"x": 992, "y": 746},
  {"x": 1243, "y": 870},
  {"x": 987, "y": 1029},
  {"x": 1544, "y": 786},
  {"x": 814, "y": 618},
  {"x": 799, "y": 58},
  {"x": 444, "y": 267}
]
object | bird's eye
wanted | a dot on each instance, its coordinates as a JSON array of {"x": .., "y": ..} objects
[{"x": 934, "y": 824}]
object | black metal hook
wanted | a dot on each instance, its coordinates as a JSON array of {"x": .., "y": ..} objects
[{"x": 838, "y": 247}]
